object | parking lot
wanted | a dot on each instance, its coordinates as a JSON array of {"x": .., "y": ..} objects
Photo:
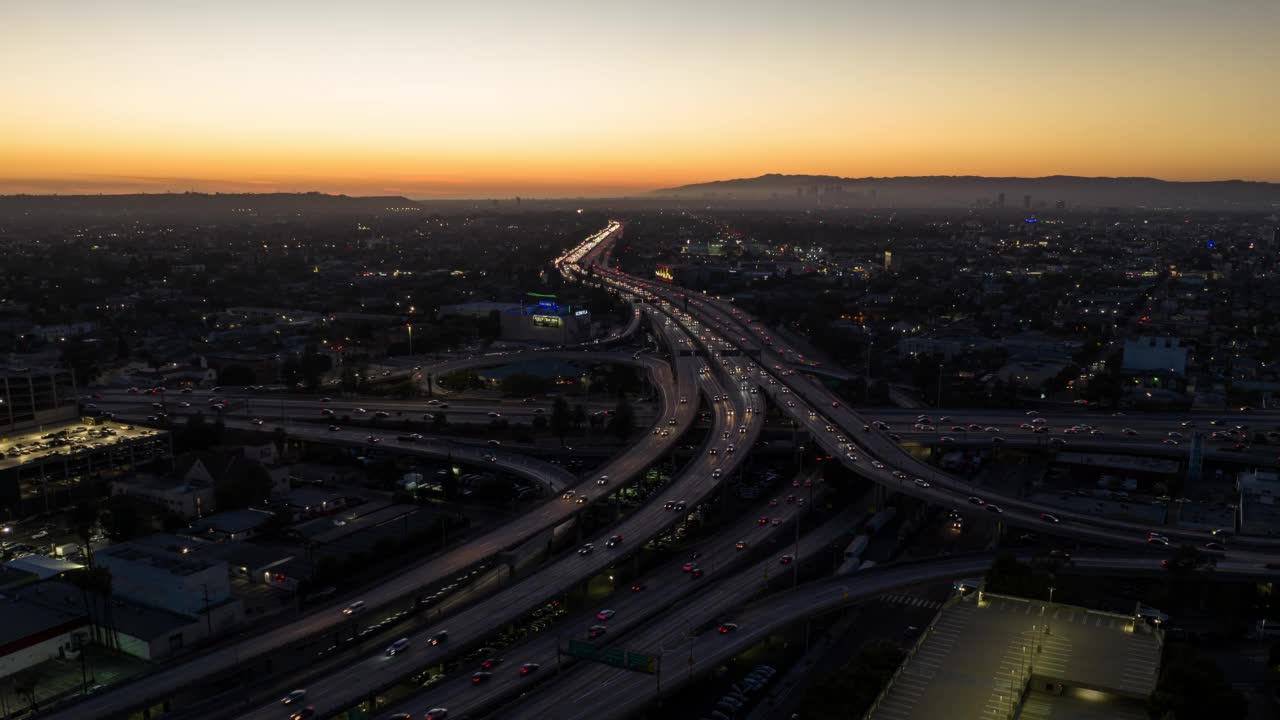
[
  {"x": 977, "y": 658},
  {"x": 66, "y": 439}
]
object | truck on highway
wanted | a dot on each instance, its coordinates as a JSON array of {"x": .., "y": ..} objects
[
  {"x": 879, "y": 520},
  {"x": 66, "y": 550},
  {"x": 853, "y": 555}
]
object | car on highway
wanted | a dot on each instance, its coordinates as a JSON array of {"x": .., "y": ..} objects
[
  {"x": 294, "y": 697},
  {"x": 586, "y": 549},
  {"x": 603, "y": 480},
  {"x": 305, "y": 713},
  {"x": 726, "y": 628},
  {"x": 482, "y": 676},
  {"x": 1049, "y": 518},
  {"x": 353, "y": 608},
  {"x": 530, "y": 668},
  {"x": 605, "y": 614},
  {"x": 785, "y": 560},
  {"x": 437, "y": 713},
  {"x": 374, "y": 439},
  {"x": 695, "y": 573},
  {"x": 740, "y": 545},
  {"x": 638, "y": 587},
  {"x": 490, "y": 663},
  {"x": 614, "y": 541},
  {"x": 994, "y": 508},
  {"x": 921, "y": 482},
  {"x": 975, "y": 500},
  {"x": 439, "y": 637},
  {"x": 596, "y": 631},
  {"x": 494, "y": 415},
  {"x": 713, "y": 451},
  {"x": 568, "y": 494},
  {"x": 582, "y": 500},
  {"x": 877, "y": 464},
  {"x": 397, "y": 647}
]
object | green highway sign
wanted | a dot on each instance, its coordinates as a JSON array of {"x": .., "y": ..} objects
[
  {"x": 581, "y": 649},
  {"x": 641, "y": 663},
  {"x": 613, "y": 656}
]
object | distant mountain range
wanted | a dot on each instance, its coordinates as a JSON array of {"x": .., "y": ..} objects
[
  {"x": 968, "y": 191},
  {"x": 766, "y": 192},
  {"x": 196, "y": 205}
]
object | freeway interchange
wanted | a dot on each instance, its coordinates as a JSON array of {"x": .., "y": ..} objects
[{"x": 711, "y": 358}]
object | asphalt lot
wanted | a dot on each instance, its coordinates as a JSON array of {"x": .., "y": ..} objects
[{"x": 976, "y": 660}]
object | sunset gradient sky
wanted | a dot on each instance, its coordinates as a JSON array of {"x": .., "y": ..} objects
[{"x": 557, "y": 97}]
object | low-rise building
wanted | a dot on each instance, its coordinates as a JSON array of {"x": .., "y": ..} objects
[
  {"x": 1155, "y": 353},
  {"x": 179, "y": 582},
  {"x": 232, "y": 525},
  {"x": 32, "y": 633},
  {"x": 1258, "y": 511},
  {"x": 177, "y": 495}
]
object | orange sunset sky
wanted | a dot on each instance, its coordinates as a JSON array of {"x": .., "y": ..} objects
[{"x": 555, "y": 98}]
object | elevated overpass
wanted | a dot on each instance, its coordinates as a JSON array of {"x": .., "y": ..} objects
[
  {"x": 603, "y": 692},
  {"x": 712, "y": 323},
  {"x": 121, "y": 700}
]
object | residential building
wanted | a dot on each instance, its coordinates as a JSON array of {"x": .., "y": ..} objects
[{"x": 1155, "y": 353}]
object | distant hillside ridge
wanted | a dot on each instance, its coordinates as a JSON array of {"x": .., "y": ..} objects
[
  {"x": 969, "y": 191},
  {"x": 199, "y": 204}
]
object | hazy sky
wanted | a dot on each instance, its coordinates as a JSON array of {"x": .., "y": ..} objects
[{"x": 552, "y": 97}]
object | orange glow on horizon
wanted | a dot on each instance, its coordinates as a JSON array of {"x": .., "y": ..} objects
[{"x": 563, "y": 99}]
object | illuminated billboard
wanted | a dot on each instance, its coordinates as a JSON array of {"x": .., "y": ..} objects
[{"x": 546, "y": 321}]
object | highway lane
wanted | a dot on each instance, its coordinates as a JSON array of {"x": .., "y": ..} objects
[
  {"x": 611, "y": 693},
  {"x": 825, "y": 411},
  {"x": 627, "y": 466},
  {"x": 363, "y": 408},
  {"x": 1119, "y": 445},
  {"x": 586, "y": 689},
  {"x": 367, "y": 675},
  {"x": 662, "y": 588}
]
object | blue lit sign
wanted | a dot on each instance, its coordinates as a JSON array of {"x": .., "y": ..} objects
[{"x": 1211, "y": 244}]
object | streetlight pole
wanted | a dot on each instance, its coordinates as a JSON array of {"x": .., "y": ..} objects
[{"x": 938, "y": 404}]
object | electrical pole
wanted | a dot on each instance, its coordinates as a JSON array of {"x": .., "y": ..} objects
[{"x": 208, "y": 619}]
